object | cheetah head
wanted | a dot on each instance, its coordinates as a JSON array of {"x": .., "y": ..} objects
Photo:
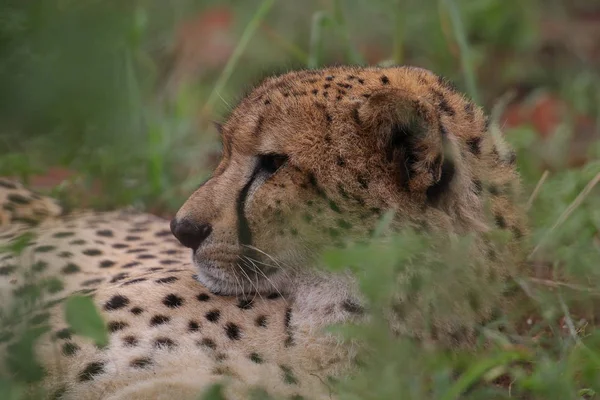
[{"x": 313, "y": 158}]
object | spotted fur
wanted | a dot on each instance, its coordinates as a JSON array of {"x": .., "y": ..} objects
[{"x": 311, "y": 159}]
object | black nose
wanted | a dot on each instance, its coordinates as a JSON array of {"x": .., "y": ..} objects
[{"x": 190, "y": 234}]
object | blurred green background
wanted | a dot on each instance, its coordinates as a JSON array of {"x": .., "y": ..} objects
[
  {"x": 113, "y": 99},
  {"x": 110, "y": 102}
]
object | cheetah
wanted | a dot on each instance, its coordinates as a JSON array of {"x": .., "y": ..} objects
[{"x": 231, "y": 289}]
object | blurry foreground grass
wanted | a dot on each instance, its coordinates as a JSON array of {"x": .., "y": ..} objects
[{"x": 90, "y": 86}]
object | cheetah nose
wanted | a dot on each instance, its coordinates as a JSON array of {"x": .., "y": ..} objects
[{"x": 190, "y": 234}]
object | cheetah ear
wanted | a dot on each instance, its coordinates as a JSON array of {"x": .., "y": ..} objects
[{"x": 411, "y": 136}]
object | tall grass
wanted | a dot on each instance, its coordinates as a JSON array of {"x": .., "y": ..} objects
[{"x": 150, "y": 154}]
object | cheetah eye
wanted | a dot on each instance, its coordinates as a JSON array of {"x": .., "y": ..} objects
[{"x": 270, "y": 163}]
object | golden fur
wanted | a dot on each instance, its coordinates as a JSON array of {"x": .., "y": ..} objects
[{"x": 311, "y": 159}]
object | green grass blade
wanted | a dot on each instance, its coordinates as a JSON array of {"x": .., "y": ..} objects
[
  {"x": 320, "y": 20},
  {"x": 477, "y": 370},
  {"x": 353, "y": 56},
  {"x": 460, "y": 36},
  {"x": 248, "y": 33},
  {"x": 84, "y": 319}
]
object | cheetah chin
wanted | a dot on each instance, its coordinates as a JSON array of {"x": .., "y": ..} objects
[{"x": 219, "y": 282}]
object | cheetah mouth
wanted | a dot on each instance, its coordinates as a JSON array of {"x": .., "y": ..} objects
[{"x": 235, "y": 279}]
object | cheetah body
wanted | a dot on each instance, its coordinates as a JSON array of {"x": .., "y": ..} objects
[{"x": 309, "y": 157}]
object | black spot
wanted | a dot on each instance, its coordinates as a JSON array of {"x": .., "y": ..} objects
[
  {"x": 288, "y": 375},
  {"x": 273, "y": 296},
  {"x": 130, "y": 341},
  {"x": 120, "y": 246},
  {"x": 7, "y": 270},
  {"x": 289, "y": 340},
  {"x": 39, "y": 266},
  {"x": 106, "y": 263},
  {"x": 137, "y": 280},
  {"x": 168, "y": 279},
  {"x": 500, "y": 221},
  {"x": 334, "y": 207},
  {"x": 164, "y": 232},
  {"x": 352, "y": 307},
  {"x": 52, "y": 303},
  {"x": 315, "y": 91},
  {"x": 63, "y": 234},
  {"x": 70, "y": 268},
  {"x": 92, "y": 282},
  {"x": 92, "y": 252},
  {"x": 233, "y": 331},
  {"x": 18, "y": 199},
  {"x": 131, "y": 264},
  {"x": 7, "y": 184},
  {"x": 494, "y": 191},
  {"x": 329, "y": 78},
  {"x": 517, "y": 233},
  {"x": 213, "y": 316},
  {"x": 256, "y": 358},
  {"x": 54, "y": 285},
  {"x": 193, "y": 326},
  {"x": 173, "y": 301},
  {"x": 474, "y": 145},
  {"x": 384, "y": 79},
  {"x": 478, "y": 187},
  {"x": 114, "y": 326},
  {"x": 168, "y": 262},
  {"x": 208, "y": 343},
  {"x": 40, "y": 318},
  {"x": 138, "y": 250},
  {"x": 105, "y": 233},
  {"x": 245, "y": 304},
  {"x": 94, "y": 368},
  {"x": 288, "y": 318},
  {"x": 136, "y": 310},
  {"x": 203, "y": 297},
  {"x": 340, "y": 161},
  {"x": 141, "y": 363},
  {"x": 164, "y": 342},
  {"x": 44, "y": 249},
  {"x": 267, "y": 102},
  {"x": 119, "y": 277},
  {"x": 116, "y": 302},
  {"x": 145, "y": 257},
  {"x": 445, "y": 107},
  {"x": 261, "y": 321},
  {"x": 159, "y": 320},
  {"x": 63, "y": 334},
  {"x": 132, "y": 238},
  {"x": 65, "y": 254},
  {"x": 69, "y": 349}
]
